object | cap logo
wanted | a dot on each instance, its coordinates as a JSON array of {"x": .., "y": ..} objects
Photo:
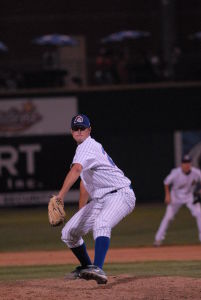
[{"x": 78, "y": 119}]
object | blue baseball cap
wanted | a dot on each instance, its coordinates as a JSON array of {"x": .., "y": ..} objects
[{"x": 80, "y": 120}]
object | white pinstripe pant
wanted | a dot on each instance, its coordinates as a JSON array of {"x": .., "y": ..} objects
[
  {"x": 170, "y": 213},
  {"x": 99, "y": 216}
]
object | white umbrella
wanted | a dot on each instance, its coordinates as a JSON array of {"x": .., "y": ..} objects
[
  {"x": 124, "y": 35},
  {"x": 55, "y": 40},
  {"x": 3, "y": 47}
]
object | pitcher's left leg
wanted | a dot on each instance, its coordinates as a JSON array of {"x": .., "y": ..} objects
[{"x": 80, "y": 224}]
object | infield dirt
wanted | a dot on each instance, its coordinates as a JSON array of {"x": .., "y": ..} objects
[
  {"x": 119, "y": 287},
  {"x": 118, "y": 255}
]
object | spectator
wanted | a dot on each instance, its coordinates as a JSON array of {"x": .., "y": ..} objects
[{"x": 104, "y": 64}]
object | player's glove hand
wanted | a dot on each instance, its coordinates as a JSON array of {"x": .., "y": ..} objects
[
  {"x": 197, "y": 198},
  {"x": 56, "y": 212},
  {"x": 197, "y": 194}
]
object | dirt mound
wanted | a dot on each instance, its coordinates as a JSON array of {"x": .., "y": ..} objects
[{"x": 118, "y": 287}]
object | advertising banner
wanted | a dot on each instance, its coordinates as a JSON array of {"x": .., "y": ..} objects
[
  {"x": 36, "y": 148},
  {"x": 36, "y": 116}
]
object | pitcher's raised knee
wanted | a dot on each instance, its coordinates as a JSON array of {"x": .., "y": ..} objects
[{"x": 69, "y": 237}]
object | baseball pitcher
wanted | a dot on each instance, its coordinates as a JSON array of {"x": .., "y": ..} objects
[{"x": 111, "y": 199}]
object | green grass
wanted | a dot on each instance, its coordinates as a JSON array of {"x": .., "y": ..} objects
[
  {"x": 24, "y": 229},
  {"x": 141, "y": 269}
]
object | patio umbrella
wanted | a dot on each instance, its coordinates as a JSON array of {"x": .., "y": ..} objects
[
  {"x": 125, "y": 35},
  {"x": 3, "y": 47},
  {"x": 55, "y": 40}
]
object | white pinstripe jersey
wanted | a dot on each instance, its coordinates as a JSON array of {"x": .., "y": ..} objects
[
  {"x": 100, "y": 175},
  {"x": 183, "y": 185}
]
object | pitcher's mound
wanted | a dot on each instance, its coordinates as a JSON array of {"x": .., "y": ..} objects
[{"x": 118, "y": 287}]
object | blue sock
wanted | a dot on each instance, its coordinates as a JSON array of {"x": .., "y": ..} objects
[
  {"x": 82, "y": 255},
  {"x": 101, "y": 246}
]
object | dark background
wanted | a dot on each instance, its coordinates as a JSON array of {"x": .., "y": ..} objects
[
  {"x": 136, "y": 127},
  {"x": 23, "y": 20}
]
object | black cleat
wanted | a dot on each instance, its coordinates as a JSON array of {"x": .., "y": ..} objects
[
  {"x": 75, "y": 274},
  {"x": 92, "y": 272}
]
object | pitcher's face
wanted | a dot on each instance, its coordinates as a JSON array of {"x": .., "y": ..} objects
[{"x": 80, "y": 133}]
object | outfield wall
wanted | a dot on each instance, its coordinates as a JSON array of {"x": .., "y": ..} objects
[{"x": 137, "y": 127}]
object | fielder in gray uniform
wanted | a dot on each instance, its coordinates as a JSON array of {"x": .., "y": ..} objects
[
  {"x": 111, "y": 199},
  {"x": 179, "y": 188}
]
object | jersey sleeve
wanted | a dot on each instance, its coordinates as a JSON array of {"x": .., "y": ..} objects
[
  {"x": 86, "y": 159},
  {"x": 170, "y": 178}
]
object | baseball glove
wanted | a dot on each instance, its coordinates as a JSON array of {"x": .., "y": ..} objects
[
  {"x": 197, "y": 198},
  {"x": 197, "y": 194},
  {"x": 56, "y": 212}
]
